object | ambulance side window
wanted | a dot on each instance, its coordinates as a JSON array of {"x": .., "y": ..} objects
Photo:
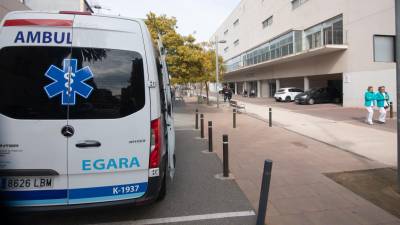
[
  {"x": 161, "y": 84},
  {"x": 23, "y": 80},
  {"x": 118, "y": 82}
]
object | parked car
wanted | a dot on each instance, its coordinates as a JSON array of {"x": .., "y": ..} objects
[
  {"x": 287, "y": 94},
  {"x": 318, "y": 95}
]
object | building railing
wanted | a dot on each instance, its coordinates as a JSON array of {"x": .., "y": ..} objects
[{"x": 294, "y": 42}]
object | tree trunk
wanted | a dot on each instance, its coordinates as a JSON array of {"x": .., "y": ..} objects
[{"x": 208, "y": 101}]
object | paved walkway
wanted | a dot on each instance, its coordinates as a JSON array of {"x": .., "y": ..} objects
[
  {"x": 355, "y": 116},
  {"x": 300, "y": 193},
  {"x": 376, "y": 144}
]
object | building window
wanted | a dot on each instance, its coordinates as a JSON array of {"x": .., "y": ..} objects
[
  {"x": 236, "y": 23},
  {"x": 297, "y": 3},
  {"x": 236, "y": 43},
  {"x": 384, "y": 48},
  {"x": 267, "y": 22},
  {"x": 226, "y": 49},
  {"x": 226, "y": 32},
  {"x": 326, "y": 33}
]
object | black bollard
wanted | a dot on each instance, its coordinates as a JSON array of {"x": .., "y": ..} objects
[
  {"x": 262, "y": 205},
  {"x": 225, "y": 157},
  {"x": 270, "y": 117},
  {"x": 201, "y": 125},
  {"x": 234, "y": 118},
  {"x": 197, "y": 120},
  {"x": 391, "y": 110},
  {"x": 210, "y": 140}
]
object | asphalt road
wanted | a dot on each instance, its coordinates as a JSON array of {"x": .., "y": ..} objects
[{"x": 194, "y": 196}]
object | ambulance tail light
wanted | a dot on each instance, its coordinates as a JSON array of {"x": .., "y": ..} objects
[
  {"x": 76, "y": 13},
  {"x": 155, "y": 143}
]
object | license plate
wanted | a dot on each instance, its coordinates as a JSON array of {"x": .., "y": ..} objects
[
  {"x": 296, "y": 100},
  {"x": 16, "y": 183}
]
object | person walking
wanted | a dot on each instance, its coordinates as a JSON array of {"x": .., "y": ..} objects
[
  {"x": 369, "y": 101},
  {"x": 229, "y": 94},
  {"x": 382, "y": 101},
  {"x": 225, "y": 92}
]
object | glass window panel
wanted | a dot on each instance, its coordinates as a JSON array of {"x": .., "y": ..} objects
[{"x": 384, "y": 49}]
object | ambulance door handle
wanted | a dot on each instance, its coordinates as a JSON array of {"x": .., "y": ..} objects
[{"x": 88, "y": 144}]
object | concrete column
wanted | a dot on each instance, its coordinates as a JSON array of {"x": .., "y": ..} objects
[
  {"x": 278, "y": 84},
  {"x": 306, "y": 84},
  {"x": 245, "y": 86},
  {"x": 236, "y": 90},
  {"x": 258, "y": 89}
]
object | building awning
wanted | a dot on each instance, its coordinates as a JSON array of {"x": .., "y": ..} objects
[{"x": 326, "y": 49}]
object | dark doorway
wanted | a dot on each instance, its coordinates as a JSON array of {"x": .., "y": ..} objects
[
  {"x": 272, "y": 88},
  {"x": 337, "y": 85}
]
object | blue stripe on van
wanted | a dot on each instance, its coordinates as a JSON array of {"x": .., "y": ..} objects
[
  {"x": 106, "y": 198},
  {"x": 37, "y": 202},
  {"x": 107, "y": 191},
  {"x": 34, "y": 195},
  {"x": 79, "y": 195}
]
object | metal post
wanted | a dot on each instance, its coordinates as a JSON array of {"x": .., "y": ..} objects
[
  {"x": 210, "y": 139},
  {"x": 217, "y": 68},
  {"x": 270, "y": 117},
  {"x": 262, "y": 205},
  {"x": 225, "y": 157},
  {"x": 234, "y": 118},
  {"x": 391, "y": 110},
  {"x": 201, "y": 125},
  {"x": 197, "y": 120},
  {"x": 397, "y": 19}
]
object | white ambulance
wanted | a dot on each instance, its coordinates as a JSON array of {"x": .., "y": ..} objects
[{"x": 85, "y": 113}]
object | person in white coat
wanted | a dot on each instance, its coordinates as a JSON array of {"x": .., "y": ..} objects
[
  {"x": 369, "y": 102},
  {"x": 382, "y": 101}
]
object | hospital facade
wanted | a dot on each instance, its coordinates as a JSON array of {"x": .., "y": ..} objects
[{"x": 343, "y": 44}]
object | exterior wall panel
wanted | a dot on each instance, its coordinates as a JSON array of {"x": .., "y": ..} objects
[{"x": 361, "y": 21}]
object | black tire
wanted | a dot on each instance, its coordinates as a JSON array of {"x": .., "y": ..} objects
[
  {"x": 311, "y": 101},
  {"x": 163, "y": 189},
  {"x": 288, "y": 99}
]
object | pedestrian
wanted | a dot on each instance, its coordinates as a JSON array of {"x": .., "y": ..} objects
[
  {"x": 382, "y": 102},
  {"x": 225, "y": 93},
  {"x": 230, "y": 93},
  {"x": 369, "y": 101}
]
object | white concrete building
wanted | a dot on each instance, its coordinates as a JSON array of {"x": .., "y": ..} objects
[
  {"x": 11, "y": 5},
  {"x": 345, "y": 44},
  {"x": 58, "y": 5}
]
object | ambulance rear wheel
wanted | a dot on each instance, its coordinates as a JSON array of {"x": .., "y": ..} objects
[{"x": 163, "y": 190}]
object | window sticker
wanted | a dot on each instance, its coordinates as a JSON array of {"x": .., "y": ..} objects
[{"x": 68, "y": 82}]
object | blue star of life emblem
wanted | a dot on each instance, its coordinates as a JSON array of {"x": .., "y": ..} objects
[{"x": 68, "y": 82}]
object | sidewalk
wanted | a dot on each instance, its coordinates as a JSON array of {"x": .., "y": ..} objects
[
  {"x": 376, "y": 144},
  {"x": 300, "y": 193},
  {"x": 355, "y": 116}
]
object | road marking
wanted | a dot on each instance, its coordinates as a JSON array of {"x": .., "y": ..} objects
[{"x": 194, "y": 218}]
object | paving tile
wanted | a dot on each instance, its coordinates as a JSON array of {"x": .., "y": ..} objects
[
  {"x": 296, "y": 219},
  {"x": 372, "y": 215},
  {"x": 291, "y": 191},
  {"x": 300, "y": 205},
  {"x": 332, "y": 217}
]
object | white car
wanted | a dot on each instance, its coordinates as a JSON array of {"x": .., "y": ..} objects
[
  {"x": 85, "y": 111},
  {"x": 287, "y": 94}
]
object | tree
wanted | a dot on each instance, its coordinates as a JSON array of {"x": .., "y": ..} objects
[
  {"x": 187, "y": 61},
  {"x": 209, "y": 68}
]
